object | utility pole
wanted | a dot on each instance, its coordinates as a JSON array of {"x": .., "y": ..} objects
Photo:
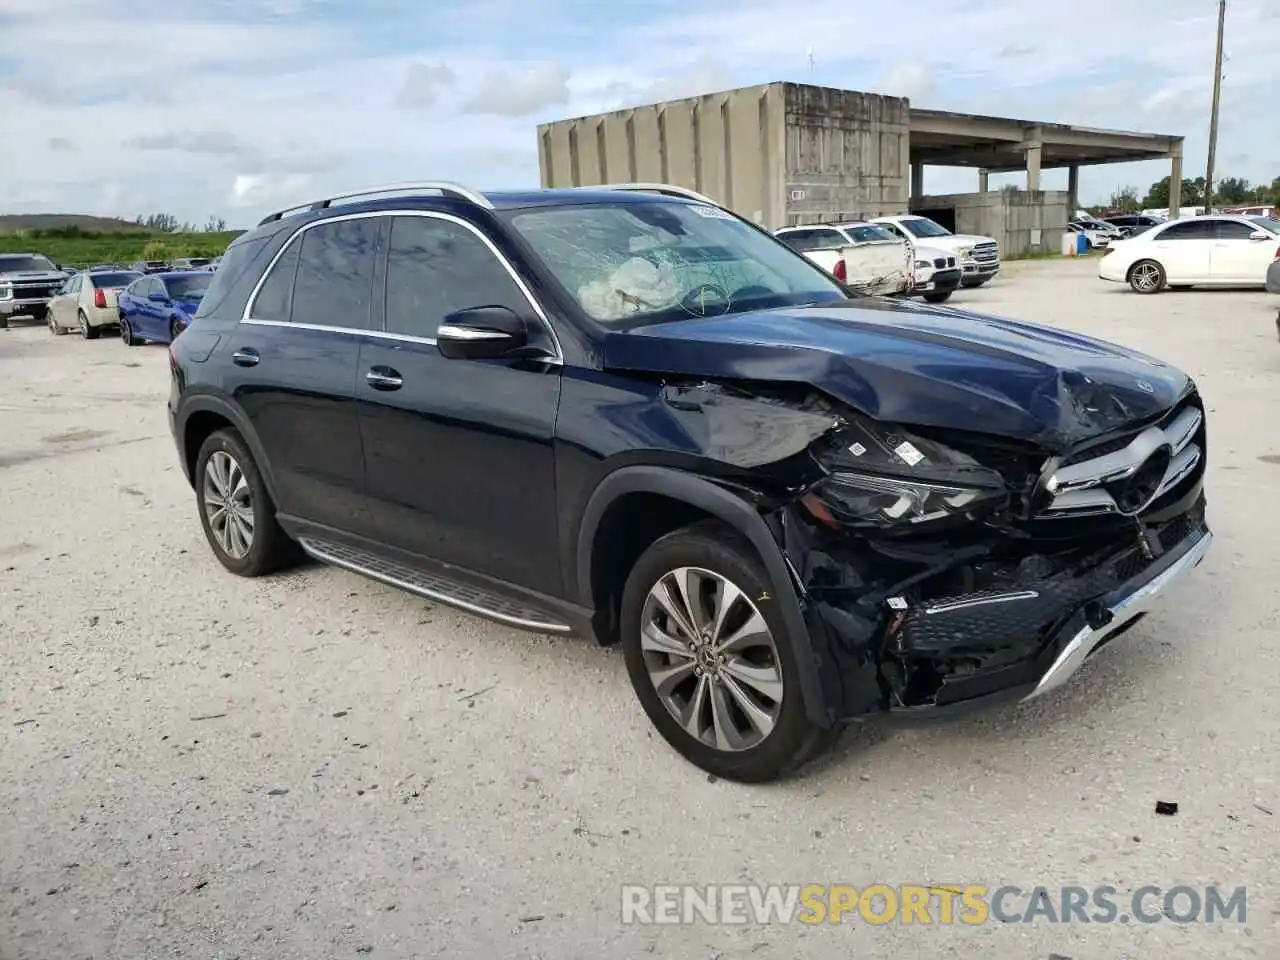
[{"x": 1213, "y": 112}]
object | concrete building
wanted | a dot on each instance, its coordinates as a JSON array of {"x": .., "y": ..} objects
[{"x": 788, "y": 153}]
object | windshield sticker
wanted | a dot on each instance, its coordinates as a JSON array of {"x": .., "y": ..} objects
[{"x": 712, "y": 213}]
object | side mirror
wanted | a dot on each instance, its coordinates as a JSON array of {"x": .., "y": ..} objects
[
  {"x": 479, "y": 333},
  {"x": 1260, "y": 235}
]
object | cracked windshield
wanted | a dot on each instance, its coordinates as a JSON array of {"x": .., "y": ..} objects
[{"x": 666, "y": 260}]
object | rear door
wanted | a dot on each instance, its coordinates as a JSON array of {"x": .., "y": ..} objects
[
  {"x": 1237, "y": 257},
  {"x": 295, "y": 356},
  {"x": 1184, "y": 250},
  {"x": 65, "y": 303}
]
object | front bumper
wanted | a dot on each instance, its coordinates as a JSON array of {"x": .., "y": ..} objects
[
  {"x": 938, "y": 281},
  {"x": 31, "y": 307},
  {"x": 939, "y": 652},
  {"x": 1122, "y": 609}
]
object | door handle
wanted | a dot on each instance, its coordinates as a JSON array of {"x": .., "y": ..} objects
[
  {"x": 384, "y": 378},
  {"x": 245, "y": 357}
]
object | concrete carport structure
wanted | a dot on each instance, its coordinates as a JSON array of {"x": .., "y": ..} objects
[{"x": 1001, "y": 145}]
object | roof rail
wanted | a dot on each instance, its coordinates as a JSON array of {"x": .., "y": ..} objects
[
  {"x": 444, "y": 187},
  {"x": 667, "y": 189}
]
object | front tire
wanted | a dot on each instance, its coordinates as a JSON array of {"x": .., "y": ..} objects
[
  {"x": 57, "y": 329},
  {"x": 710, "y": 659},
  {"x": 1146, "y": 277},
  {"x": 88, "y": 330},
  {"x": 941, "y": 297},
  {"x": 236, "y": 510},
  {"x": 126, "y": 333}
]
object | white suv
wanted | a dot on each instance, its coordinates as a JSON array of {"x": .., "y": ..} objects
[{"x": 979, "y": 256}]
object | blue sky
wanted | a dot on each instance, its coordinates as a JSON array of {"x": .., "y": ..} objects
[{"x": 232, "y": 107}]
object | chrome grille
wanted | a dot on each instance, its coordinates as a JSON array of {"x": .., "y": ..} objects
[
  {"x": 1104, "y": 482},
  {"x": 986, "y": 252}
]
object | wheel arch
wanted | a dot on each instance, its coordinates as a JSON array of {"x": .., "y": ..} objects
[
  {"x": 699, "y": 498},
  {"x": 202, "y": 416}
]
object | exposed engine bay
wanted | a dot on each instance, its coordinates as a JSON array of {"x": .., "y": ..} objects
[{"x": 939, "y": 567}]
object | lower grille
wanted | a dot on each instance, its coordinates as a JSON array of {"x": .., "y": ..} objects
[{"x": 35, "y": 291}]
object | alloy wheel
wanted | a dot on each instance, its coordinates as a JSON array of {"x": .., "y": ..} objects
[
  {"x": 1146, "y": 277},
  {"x": 712, "y": 659},
  {"x": 228, "y": 504},
  {"x": 125, "y": 333}
]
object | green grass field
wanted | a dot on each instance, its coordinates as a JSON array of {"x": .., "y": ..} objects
[{"x": 83, "y": 249}]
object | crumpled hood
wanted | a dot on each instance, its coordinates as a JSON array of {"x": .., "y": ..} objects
[{"x": 919, "y": 365}]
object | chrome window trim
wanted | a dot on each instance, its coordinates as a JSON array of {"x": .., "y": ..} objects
[{"x": 247, "y": 315}]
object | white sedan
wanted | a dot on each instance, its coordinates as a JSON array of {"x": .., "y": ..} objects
[{"x": 1208, "y": 251}]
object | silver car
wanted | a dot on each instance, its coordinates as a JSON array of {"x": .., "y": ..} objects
[{"x": 87, "y": 302}]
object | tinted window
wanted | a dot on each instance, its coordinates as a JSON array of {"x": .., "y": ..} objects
[
  {"x": 870, "y": 233},
  {"x": 16, "y": 263},
  {"x": 275, "y": 297},
  {"x": 234, "y": 263},
  {"x": 1233, "y": 230},
  {"x": 924, "y": 227},
  {"x": 1267, "y": 223},
  {"x": 334, "y": 285},
  {"x": 1187, "y": 230},
  {"x": 797, "y": 239},
  {"x": 112, "y": 279},
  {"x": 186, "y": 287},
  {"x": 435, "y": 267}
]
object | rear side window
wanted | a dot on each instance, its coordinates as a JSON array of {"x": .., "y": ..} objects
[
  {"x": 275, "y": 296},
  {"x": 334, "y": 282},
  {"x": 239, "y": 256},
  {"x": 1187, "y": 230},
  {"x": 435, "y": 267}
]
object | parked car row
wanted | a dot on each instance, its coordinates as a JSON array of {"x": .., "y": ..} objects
[
  {"x": 902, "y": 256},
  {"x": 143, "y": 302}
]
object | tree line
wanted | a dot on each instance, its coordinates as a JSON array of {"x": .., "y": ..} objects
[
  {"x": 1227, "y": 192},
  {"x": 168, "y": 223}
]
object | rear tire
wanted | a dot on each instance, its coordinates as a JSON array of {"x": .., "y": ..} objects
[
  {"x": 1147, "y": 277},
  {"x": 4, "y": 322},
  {"x": 229, "y": 491},
  {"x": 942, "y": 297},
  {"x": 88, "y": 330},
  {"x": 658, "y": 649}
]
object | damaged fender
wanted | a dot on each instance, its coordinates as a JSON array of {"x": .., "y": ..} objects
[{"x": 744, "y": 517}]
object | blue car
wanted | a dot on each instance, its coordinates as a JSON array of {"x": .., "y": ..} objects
[{"x": 157, "y": 307}]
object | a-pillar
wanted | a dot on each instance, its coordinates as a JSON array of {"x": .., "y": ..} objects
[
  {"x": 917, "y": 180},
  {"x": 1073, "y": 191},
  {"x": 1175, "y": 181},
  {"x": 982, "y": 180}
]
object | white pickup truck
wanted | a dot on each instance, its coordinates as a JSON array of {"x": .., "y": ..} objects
[
  {"x": 979, "y": 256},
  {"x": 870, "y": 258}
]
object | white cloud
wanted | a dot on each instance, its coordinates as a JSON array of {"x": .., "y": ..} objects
[
  {"x": 911, "y": 79},
  {"x": 422, "y": 84},
  {"x": 506, "y": 92},
  {"x": 270, "y": 101}
]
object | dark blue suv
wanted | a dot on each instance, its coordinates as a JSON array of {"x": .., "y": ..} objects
[{"x": 628, "y": 413}]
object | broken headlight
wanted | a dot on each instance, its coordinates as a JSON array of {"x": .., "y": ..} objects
[{"x": 880, "y": 475}]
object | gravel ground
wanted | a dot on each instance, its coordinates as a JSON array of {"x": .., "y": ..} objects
[{"x": 315, "y": 766}]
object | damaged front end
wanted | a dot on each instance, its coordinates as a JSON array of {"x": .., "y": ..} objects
[{"x": 939, "y": 569}]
